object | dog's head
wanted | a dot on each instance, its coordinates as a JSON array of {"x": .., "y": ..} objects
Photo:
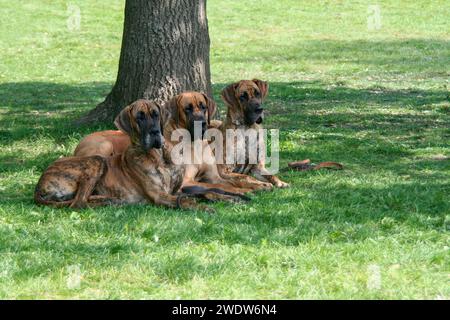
[
  {"x": 188, "y": 107},
  {"x": 142, "y": 121},
  {"x": 245, "y": 98}
]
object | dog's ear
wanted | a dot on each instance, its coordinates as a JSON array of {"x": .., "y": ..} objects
[
  {"x": 163, "y": 115},
  {"x": 229, "y": 94},
  {"x": 123, "y": 120},
  {"x": 170, "y": 110},
  {"x": 212, "y": 107},
  {"x": 263, "y": 87}
]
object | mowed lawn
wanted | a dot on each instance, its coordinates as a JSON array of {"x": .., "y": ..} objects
[{"x": 373, "y": 97}]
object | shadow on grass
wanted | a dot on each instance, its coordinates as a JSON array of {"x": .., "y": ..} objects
[
  {"x": 31, "y": 109},
  {"x": 39, "y": 108},
  {"x": 342, "y": 213},
  {"x": 346, "y": 213}
]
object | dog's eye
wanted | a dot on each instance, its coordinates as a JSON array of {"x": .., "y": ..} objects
[
  {"x": 190, "y": 107},
  {"x": 155, "y": 115},
  {"x": 243, "y": 96},
  {"x": 202, "y": 106},
  {"x": 256, "y": 93},
  {"x": 140, "y": 115}
]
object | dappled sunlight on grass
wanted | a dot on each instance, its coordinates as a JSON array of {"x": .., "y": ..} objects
[{"x": 376, "y": 101}]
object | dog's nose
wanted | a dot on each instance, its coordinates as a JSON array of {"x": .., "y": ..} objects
[
  {"x": 157, "y": 144},
  {"x": 155, "y": 131},
  {"x": 256, "y": 106},
  {"x": 200, "y": 119}
]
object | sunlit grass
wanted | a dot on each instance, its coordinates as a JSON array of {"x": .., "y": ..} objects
[{"x": 375, "y": 100}]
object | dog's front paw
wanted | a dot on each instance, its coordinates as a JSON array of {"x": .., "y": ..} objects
[
  {"x": 266, "y": 186},
  {"x": 281, "y": 184},
  {"x": 260, "y": 185},
  {"x": 188, "y": 203}
]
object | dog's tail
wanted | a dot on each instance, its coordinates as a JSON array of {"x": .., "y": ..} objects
[
  {"x": 93, "y": 201},
  {"x": 57, "y": 204},
  {"x": 199, "y": 191}
]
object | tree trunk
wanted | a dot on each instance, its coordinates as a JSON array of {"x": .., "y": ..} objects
[{"x": 165, "y": 51}]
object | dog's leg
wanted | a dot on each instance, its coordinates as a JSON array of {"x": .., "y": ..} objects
[
  {"x": 87, "y": 183},
  {"x": 212, "y": 177},
  {"x": 100, "y": 200},
  {"x": 245, "y": 181},
  {"x": 173, "y": 201},
  {"x": 213, "y": 196},
  {"x": 219, "y": 184},
  {"x": 69, "y": 181},
  {"x": 241, "y": 180},
  {"x": 260, "y": 173},
  {"x": 85, "y": 189},
  {"x": 207, "y": 176},
  {"x": 212, "y": 193}
]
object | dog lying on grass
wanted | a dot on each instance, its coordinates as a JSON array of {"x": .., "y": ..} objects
[
  {"x": 244, "y": 101},
  {"x": 185, "y": 109},
  {"x": 142, "y": 174},
  {"x": 181, "y": 112}
]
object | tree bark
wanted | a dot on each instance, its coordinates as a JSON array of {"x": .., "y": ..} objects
[{"x": 165, "y": 51}]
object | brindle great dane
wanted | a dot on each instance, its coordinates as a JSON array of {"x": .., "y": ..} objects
[
  {"x": 141, "y": 174},
  {"x": 185, "y": 109},
  {"x": 181, "y": 113},
  {"x": 245, "y": 111}
]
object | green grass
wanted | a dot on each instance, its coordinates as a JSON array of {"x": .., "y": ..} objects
[{"x": 375, "y": 100}]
